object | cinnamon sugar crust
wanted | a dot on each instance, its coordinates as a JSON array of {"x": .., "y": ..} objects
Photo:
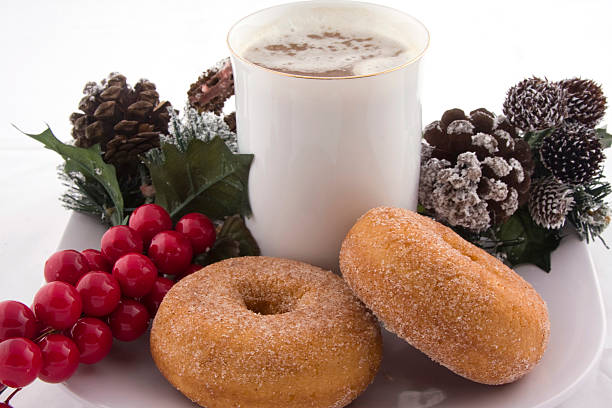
[
  {"x": 453, "y": 301},
  {"x": 265, "y": 332}
]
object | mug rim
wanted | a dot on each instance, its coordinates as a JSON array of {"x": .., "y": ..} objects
[{"x": 416, "y": 58}]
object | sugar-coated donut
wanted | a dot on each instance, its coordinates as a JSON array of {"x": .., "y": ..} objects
[
  {"x": 453, "y": 301},
  {"x": 265, "y": 332}
]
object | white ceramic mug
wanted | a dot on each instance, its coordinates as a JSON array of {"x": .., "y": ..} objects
[{"x": 326, "y": 149}]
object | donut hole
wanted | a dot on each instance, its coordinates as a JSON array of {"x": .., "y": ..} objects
[
  {"x": 265, "y": 307},
  {"x": 268, "y": 300}
]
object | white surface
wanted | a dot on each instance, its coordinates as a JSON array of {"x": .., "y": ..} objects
[
  {"x": 406, "y": 375},
  {"x": 332, "y": 149},
  {"x": 49, "y": 50}
]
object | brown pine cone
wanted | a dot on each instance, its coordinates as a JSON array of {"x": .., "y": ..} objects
[
  {"x": 475, "y": 170},
  {"x": 125, "y": 121}
]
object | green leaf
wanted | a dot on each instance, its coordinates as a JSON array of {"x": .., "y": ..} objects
[
  {"x": 207, "y": 178},
  {"x": 534, "y": 243},
  {"x": 604, "y": 137},
  {"x": 89, "y": 163},
  {"x": 223, "y": 249},
  {"x": 234, "y": 239},
  {"x": 535, "y": 138},
  {"x": 234, "y": 228}
]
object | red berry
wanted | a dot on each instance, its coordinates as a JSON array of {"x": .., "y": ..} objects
[
  {"x": 199, "y": 229},
  {"x": 16, "y": 320},
  {"x": 100, "y": 293},
  {"x": 120, "y": 240},
  {"x": 60, "y": 358},
  {"x": 129, "y": 321},
  {"x": 148, "y": 220},
  {"x": 171, "y": 251},
  {"x": 57, "y": 304},
  {"x": 190, "y": 269},
  {"x": 20, "y": 362},
  {"x": 155, "y": 297},
  {"x": 97, "y": 261},
  {"x": 135, "y": 273},
  {"x": 66, "y": 266},
  {"x": 93, "y": 337}
]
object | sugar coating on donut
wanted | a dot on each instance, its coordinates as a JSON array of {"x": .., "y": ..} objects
[
  {"x": 265, "y": 332},
  {"x": 459, "y": 305}
]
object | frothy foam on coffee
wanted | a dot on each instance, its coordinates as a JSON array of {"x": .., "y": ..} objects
[{"x": 328, "y": 52}]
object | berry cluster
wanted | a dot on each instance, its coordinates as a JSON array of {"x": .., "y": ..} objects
[{"x": 92, "y": 296}]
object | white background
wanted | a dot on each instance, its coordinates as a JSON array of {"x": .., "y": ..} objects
[{"x": 48, "y": 50}]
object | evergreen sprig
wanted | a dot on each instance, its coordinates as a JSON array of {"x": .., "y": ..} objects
[
  {"x": 87, "y": 196},
  {"x": 591, "y": 213},
  {"x": 84, "y": 196},
  {"x": 193, "y": 125}
]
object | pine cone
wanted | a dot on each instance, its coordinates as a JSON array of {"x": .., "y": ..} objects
[
  {"x": 124, "y": 121},
  {"x": 535, "y": 104},
  {"x": 549, "y": 202},
  {"x": 586, "y": 101},
  {"x": 212, "y": 89},
  {"x": 573, "y": 154},
  {"x": 475, "y": 171}
]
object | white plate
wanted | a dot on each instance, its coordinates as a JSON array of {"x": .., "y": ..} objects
[{"x": 128, "y": 377}]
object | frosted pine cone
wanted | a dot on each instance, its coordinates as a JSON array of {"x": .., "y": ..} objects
[
  {"x": 452, "y": 191},
  {"x": 212, "y": 89},
  {"x": 573, "y": 154},
  {"x": 475, "y": 171},
  {"x": 535, "y": 104},
  {"x": 586, "y": 101},
  {"x": 549, "y": 203}
]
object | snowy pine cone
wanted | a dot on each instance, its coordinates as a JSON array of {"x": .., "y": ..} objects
[
  {"x": 536, "y": 104},
  {"x": 573, "y": 154},
  {"x": 475, "y": 171},
  {"x": 586, "y": 101},
  {"x": 549, "y": 202}
]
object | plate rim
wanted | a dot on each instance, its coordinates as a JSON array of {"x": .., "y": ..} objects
[{"x": 595, "y": 361}]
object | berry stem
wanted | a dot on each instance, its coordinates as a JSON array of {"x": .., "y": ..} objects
[
  {"x": 44, "y": 334},
  {"x": 12, "y": 395}
]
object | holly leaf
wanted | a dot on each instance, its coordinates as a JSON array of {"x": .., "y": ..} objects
[
  {"x": 534, "y": 244},
  {"x": 534, "y": 139},
  {"x": 89, "y": 163},
  {"x": 206, "y": 178},
  {"x": 233, "y": 239},
  {"x": 223, "y": 249},
  {"x": 604, "y": 137},
  {"x": 235, "y": 229}
]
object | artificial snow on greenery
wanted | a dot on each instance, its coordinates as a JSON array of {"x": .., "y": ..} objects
[{"x": 194, "y": 125}]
